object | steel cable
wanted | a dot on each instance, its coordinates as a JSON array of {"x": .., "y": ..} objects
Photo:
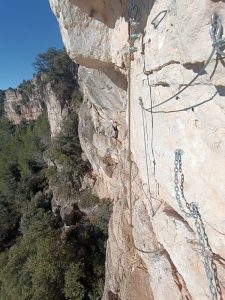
[{"x": 218, "y": 45}]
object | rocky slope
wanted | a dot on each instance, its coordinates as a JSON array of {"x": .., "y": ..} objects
[
  {"x": 152, "y": 256},
  {"x": 22, "y": 104}
]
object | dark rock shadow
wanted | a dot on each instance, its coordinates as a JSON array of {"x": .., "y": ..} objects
[
  {"x": 108, "y": 12},
  {"x": 116, "y": 77},
  {"x": 220, "y": 89},
  {"x": 195, "y": 67}
]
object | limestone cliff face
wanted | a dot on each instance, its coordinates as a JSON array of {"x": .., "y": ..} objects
[
  {"x": 21, "y": 104},
  {"x": 17, "y": 109},
  {"x": 152, "y": 257}
]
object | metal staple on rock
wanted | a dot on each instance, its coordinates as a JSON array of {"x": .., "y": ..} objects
[
  {"x": 191, "y": 211},
  {"x": 156, "y": 21},
  {"x": 218, "y": 45}
]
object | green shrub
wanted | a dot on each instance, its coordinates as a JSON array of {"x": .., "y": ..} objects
[
  {"x": 21, "y": 175},
  {"x": 77, "y": 99},
  {"x": 2, "y": 99},
  {"x": 35, "y": 265},
  {"x": 6, "y": 131},
  {"x": 8, "y": 223},
  {"x": 87, "y": 200},
  {"x": 65, "y": 154},
  {"x": 101, "y": 216},
  {"x": 26, "y": 89},
  {"x": 74, "y": 289},
  {"x": 58, "y": 69}
]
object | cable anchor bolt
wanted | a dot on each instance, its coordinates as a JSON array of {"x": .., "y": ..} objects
[{"x": 179, "y": 152}]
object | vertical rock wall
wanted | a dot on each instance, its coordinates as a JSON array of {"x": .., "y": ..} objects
[
  {"x": 16, "y": 109},
  {"x": 36, "y": 102},
  {"x": 152, "y": 257}
]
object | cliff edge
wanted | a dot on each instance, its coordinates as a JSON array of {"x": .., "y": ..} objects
[{"x": 155, "y": 250}]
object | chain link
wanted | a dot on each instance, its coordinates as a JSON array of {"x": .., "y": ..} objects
[
  {"x": 133, "y": 25},
  {"x": 132, "y": 37},
  {"x": 191, "y": 211},
  {"x": 216, "y": 33}
]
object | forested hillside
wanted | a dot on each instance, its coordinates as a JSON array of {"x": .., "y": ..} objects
[{"x": 37, "y": 261}]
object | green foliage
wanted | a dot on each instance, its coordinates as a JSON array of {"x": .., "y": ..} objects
[
  {"x": 56, "y": 67},
  {"x": 26, "y": 86},
  {"x": 26, "y": 89},
  {"x": 2, "y": 99},
  {"x": 100, "y": 219},
  {"x": 41, "y": 266},
  {"x": 42, "y": 131},
  {"x": 22, "y": 155},
  {"x": 9, "y": 169},
  {"x": 35, "y": 263},
  {"x": 21, "y": 175},
  {"x": 74, "y": 290},
  {"x": 65, "y": 152},
  {"x": 38, "y": 264},
  {"x": 88, "y": 200},
  {"x": 8, "y": 223},
  {"x": 6, "y": 131},
  {"x": 77, "y": 99},
  {"x": 89, "y": 237}
]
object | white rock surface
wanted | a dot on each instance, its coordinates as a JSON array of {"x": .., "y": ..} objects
[
  {"x": 16, "y": 110},
  {"x": 169, "y": 265},
  {"x": 55, "y": 111}
]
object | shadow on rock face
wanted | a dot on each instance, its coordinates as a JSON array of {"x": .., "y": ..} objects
[
  {"x": 71, "y": 215},
  {"x": 105, "y": 11},
  {"x": 116, "y": 77},
  {"x": 112, "y": 296},
  {"x": 108, "y": 11},
  {"x": 220, "y": 90}
]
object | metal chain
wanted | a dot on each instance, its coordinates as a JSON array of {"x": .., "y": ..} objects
[
  {"x": 191, "y": 211},
  {"x": 216, "y": 33},
  {"x": 133, "y": 25},
  {"x": 132, "y": 37}
]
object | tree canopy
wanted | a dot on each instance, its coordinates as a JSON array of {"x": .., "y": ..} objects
[{"x": 55, "y": 67}]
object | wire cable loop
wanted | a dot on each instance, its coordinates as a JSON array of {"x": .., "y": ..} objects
[{"x": 218, "y": 44}]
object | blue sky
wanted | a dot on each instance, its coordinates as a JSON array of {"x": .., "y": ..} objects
[{"x": 27, "y": 27}]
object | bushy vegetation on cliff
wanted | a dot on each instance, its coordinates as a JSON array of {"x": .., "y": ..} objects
[
  {"x": 35, "y": 262},
  {"x": 55, "y": 67},
  {"x": 2, "y": 98}
]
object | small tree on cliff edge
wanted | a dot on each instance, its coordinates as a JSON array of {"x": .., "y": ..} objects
[{"x": 58, "y": 69}]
